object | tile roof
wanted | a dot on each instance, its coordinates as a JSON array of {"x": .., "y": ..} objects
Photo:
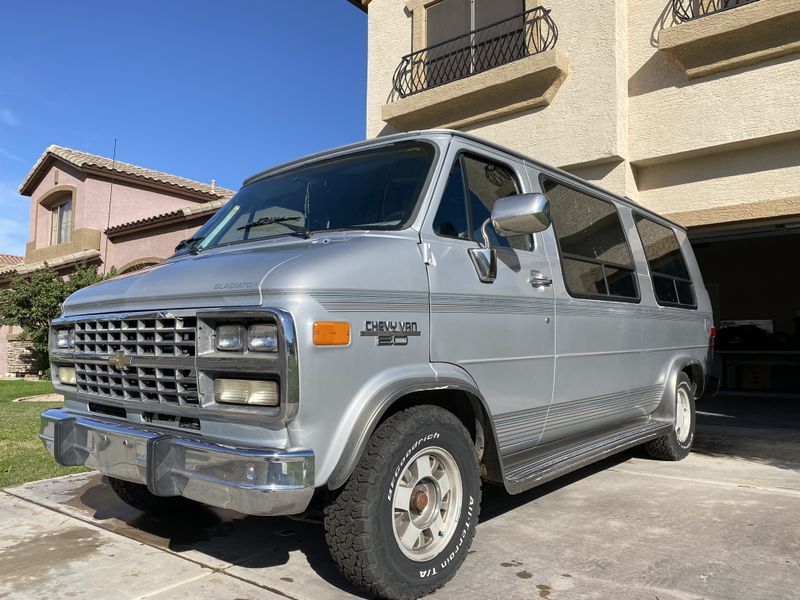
[
  {"x": 84, "y": 160},
  {"x": 61, "y": 261},
  {"x": 177, "y": 214},
  {"x": 10, "y": 259}
]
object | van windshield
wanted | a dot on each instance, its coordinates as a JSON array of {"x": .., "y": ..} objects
[{"x": 372, "y": 189}]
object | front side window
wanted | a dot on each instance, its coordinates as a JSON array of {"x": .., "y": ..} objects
[
  {"x": 61, "y": 222},
  {"x": 672, "y": 283},
  {"x": 376, "y": 189},
  {"x": 595, "y": 256},
  {"x": 473, "y": 186}
]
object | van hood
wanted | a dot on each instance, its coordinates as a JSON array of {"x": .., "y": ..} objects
[
  {"x": 213, "y": 279},
  {"x": 245, "y": 275}
]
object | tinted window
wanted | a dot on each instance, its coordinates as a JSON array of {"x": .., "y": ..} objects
[
  {"x": 473, "y": 186},
  {"x": 451, "y": 218},
  {"x": 595, "y": 254},
  {"x": 671, "y": 281}
]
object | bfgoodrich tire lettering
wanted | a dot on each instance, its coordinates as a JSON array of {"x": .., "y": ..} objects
[
  {"x": 677, "y": 444},
  {"x": 361, "y": 517}
]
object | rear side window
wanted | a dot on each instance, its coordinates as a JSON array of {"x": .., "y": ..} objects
[
  {"x": 671, "y": 281},
  {"x": 595, "y": 255},
  {"x": 473, "y": 186}
]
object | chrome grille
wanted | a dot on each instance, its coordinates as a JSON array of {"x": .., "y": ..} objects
[
  {"x": 145, "y": 384},
  {"x": 154, "y": 338},
  {"x": 137, "y": 336}
]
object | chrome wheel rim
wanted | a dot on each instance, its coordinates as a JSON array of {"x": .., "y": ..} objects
[
  {"x": 683, "y": 415},
  {"x": 426, "y": 504}
]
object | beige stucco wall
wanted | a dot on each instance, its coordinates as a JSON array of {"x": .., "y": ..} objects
[
  {"x": 629, "y": 118},
  {"x": 579, "y": 125}
]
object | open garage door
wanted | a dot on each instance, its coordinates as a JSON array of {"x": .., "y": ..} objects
[{"x": 753, "y": 277}]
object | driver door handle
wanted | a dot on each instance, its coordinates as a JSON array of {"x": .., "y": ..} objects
[{"x": 539, "y": 279}]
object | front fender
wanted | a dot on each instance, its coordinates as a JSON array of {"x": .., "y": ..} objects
[{"x": 377, "y": 396}]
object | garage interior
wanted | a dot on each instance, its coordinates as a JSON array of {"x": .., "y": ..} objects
[{"x": 751, "y": 274}]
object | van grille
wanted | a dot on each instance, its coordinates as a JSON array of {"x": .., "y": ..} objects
[
  {"x": 154, "y": 338},
  {"x": 137, "y": 337},
  {"x": 146, "y": 384}
]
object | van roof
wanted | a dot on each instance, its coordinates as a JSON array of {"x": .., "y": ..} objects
[{"x": 426, "y": 133}]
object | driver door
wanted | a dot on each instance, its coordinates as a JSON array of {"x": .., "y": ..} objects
[{"x": 501, "y": 333}]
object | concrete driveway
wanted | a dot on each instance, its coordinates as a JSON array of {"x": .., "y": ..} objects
[{"x": 724, "y": 523}]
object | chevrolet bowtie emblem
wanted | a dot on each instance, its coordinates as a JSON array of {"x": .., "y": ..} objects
[{"x": 119, "y": 360}]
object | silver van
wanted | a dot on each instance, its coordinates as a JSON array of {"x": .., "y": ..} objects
[{"x": 381, "y": 328}]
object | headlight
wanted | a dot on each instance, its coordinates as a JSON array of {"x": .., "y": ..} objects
[
  {"x": 229, "y": 338},
  {"x": 65, "y": 338},
  {"x": 246, "y": 391},
  {"x": 262, "y": 338}
]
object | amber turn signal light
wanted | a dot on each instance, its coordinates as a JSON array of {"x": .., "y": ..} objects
[{"x": 331, "y": 333}]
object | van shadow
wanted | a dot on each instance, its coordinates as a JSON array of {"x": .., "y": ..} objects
[{"x": 223, "y": 539}]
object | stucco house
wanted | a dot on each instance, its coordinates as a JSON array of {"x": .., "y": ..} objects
[
  {"x": 688, "y": 107},
  {"x": 91, "y": 209}
]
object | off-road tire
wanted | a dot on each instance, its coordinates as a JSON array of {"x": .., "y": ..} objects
[
  {"x": 140, "y": 498},
  {"x": 359, "y": 517},
  {"x": 669, "y": 447}
]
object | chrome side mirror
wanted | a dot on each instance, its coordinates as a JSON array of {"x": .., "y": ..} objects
[
  {"x": 484, "y": 259},
  {"x": 521, "y": 214}
]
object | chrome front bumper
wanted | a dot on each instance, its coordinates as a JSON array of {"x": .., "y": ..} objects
[{"x": 251, "y": 481}]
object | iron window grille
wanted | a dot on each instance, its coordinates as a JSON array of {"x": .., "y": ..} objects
[
  {"x": 688, "y": 10},
  {"x": 530, "y": 32}
]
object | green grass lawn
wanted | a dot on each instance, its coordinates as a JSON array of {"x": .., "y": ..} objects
[{"x": 22, "y": 455}]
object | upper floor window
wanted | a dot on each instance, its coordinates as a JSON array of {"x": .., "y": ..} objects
[
  {"x": 672, "y": 283},
  {"x": 473, "y": 186},
  {"x": 465, "y": 37},
  {"x": 61, "y": 221},
  {"x": 497, "y": 37},
  {"x": 595, "y": 255}
]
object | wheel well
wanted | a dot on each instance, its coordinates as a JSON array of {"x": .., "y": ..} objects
[
  {"x": 472, "y": 414},
  {"x": 695, "y": 374}
]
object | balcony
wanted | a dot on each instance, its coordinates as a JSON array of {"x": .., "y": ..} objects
[
  {"x": 688, "y": 10},
  {"x": 712, "y": 36},
  {"x": 505, "y": 67}
]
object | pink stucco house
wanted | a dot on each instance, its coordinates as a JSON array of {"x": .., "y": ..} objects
[{"x": 88, "y": 208}]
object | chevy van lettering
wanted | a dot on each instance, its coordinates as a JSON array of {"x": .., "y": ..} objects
[{"x": 390, "y": 333}]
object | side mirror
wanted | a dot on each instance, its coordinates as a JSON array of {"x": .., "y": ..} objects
[{"x": 520, "y": 215}]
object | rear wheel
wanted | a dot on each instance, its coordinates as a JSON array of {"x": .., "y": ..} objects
[
  {"x": 402, "y": 524},
  {"x": 677, "y": 444},
  {"x": 139, "y": 497}
]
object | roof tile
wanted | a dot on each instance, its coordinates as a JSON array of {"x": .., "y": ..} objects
[{"x": 86, "y": 160}]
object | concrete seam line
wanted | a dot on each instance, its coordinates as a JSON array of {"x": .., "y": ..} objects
[
  {"x": 174, "y": 585},
  {"x": 167, "y": 550},
  {"x": 757, "y": 488}
]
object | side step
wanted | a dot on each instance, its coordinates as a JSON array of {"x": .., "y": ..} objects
[{"x": 539, "y": 465}]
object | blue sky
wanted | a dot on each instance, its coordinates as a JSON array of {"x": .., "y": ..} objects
[{"x": 195, "y": 88}]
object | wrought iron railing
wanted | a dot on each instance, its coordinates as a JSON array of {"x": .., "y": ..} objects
[
  {"x": 688, "y": 10},
  {"x": 522, "y": 35}
]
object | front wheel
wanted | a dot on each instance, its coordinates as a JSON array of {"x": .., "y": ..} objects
[
  {"x": 677, "y": 444},
  {"x": 402, "y": 524}
]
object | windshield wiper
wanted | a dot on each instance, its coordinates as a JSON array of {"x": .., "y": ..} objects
[
  {"x": 191, "y": 242},
  {"x": 265, "y": 221},
  {"x": 294, "y": 229}
]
